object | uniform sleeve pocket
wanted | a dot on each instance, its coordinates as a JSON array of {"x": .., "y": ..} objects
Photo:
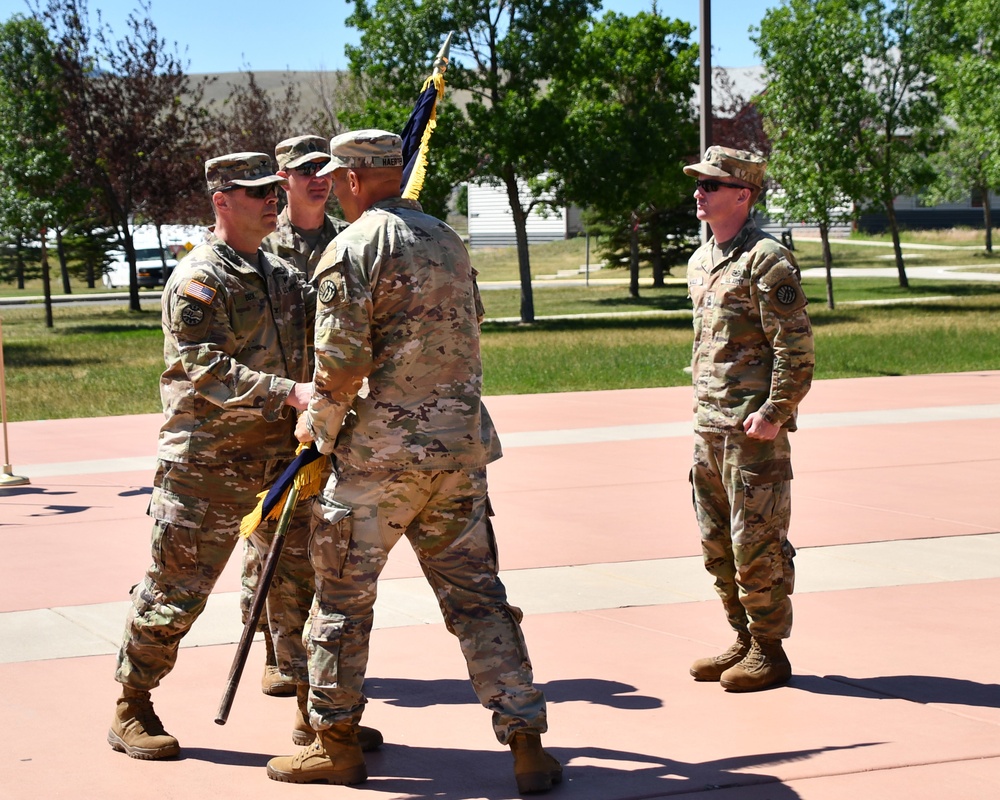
[{"x": 766, "y": 472}]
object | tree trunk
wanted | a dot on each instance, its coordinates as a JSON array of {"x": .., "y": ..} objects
[
  {"x": 20, "y": 262},
  {"x": 633, "y": 258},
  {"x": 133, "y": 279},
  {"x": 988, "y": 220},
  {"x": 63, "y": 268},
  {"x": 46, "y": 284},
  {"x": 824, "y": 234},
  {"x": 656, "y": 258},
  {"x": 163, "y": 255},
  {"x": 521, "y": 236},
  {"x": 897, "y": 248}
]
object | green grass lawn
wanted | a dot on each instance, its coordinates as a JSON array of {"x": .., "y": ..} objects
[{"x": 100, "y": 360}]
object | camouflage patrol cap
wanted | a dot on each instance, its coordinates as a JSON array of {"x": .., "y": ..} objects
[
  {"x": 240, "y": 169},
  {"x": 367, "y": 148},
  {"x": 299, "y": 150},
  {"x": 725, "y": 162}
]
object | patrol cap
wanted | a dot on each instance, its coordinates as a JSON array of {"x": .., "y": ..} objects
[
  {"x": 367, "y": 148},
  {"x": 240, "y": 169},
  {"x": 300, "y": 150},
  {"x": 725, "y": 162}
]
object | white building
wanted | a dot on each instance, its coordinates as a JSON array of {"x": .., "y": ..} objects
[{"x": 491, "y": 222}]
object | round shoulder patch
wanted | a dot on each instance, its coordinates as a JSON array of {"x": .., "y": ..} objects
[
  {"x": 786, "y": 294},
  {"x": 192, "y": 314},
  {"x": 330, "y": 288}
]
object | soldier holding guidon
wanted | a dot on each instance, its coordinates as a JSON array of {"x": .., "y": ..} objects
[{"x": 398, "y": 305}]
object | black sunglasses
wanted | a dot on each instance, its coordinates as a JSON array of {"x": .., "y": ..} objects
[
  {"x": 253, "y": 192},
  {"x": 310, "y": 168},
  {"x": 713, "y": 186}
]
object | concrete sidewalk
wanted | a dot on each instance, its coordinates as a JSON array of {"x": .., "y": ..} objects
[{"x": 897, "y": 522}]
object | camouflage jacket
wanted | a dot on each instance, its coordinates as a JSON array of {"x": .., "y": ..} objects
[
  {"x": 753, "y": 343},
  {"x": 235, "y": 341},
  {"x": 398, "y": 304},
  {"x": 286, "y": 243}
]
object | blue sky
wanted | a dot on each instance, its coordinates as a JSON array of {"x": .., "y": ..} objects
[{"x": 227, "y": 36}]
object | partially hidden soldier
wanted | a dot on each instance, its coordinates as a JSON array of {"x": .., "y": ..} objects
[
  {"x": 398, "y": 304},
  {"x": 303, "y": 231},
  {"x": 752, "y": 364},
  {"x": 237, "y": 325},
  {"x": 304, "y": 228}
]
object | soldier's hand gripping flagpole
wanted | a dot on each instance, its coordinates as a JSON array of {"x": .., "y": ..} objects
[{"x": 300, "y": 480}]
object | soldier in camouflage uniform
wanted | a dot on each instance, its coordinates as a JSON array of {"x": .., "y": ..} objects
[
  {"x": 236, "y": 327},
  {"x": 398, "y": 305},
  {"x": 752, "y": 363},
  {"x": 304, "y": 228},
  {"x": 303, "y": 231}
]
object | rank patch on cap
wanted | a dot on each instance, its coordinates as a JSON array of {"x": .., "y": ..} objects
[
  {"x": 786, "y": 294},
  {"x": 200, "y": 292}
]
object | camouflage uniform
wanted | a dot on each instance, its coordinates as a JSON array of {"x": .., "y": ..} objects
[
  {"x": 753, "y": 351},
  {"x": 398, "y": 304},
  {"x": 289, "y": 244},
  {"x": 235, "y": 343}
]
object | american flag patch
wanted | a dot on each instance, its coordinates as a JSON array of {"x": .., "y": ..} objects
[{"x": 200, "y": 292}]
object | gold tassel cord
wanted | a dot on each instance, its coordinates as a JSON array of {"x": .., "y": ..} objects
[
  {"x": 308, "y": 480},
  {"x": 416, "y": 181}
]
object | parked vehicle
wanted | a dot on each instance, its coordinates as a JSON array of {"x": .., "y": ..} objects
[{"x": 148, "y": 261}]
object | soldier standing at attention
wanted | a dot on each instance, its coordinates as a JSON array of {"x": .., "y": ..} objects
[
  {"x": 398, "y": 305},
  {"x": 303, "y": 231},
  {"x": 752, "y": 363},
  {"x": 236, "y": 326}
]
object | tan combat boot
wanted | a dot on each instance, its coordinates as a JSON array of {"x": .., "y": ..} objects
[
  {"x": 137, "y": 731},
  {"x": 711, "y": 668},
  {"x": 273, "y": 683},
  {"x": 303, "y": 733},
  {"x": 334, "y": 757},
  {"x": 534, "y": 769},
  {"x": 766, "y": 665}
]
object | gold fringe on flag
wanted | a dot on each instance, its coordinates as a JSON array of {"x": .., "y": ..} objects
[
  {"x": 308, "y": 481},
  {"x": 416, "y": 181}
]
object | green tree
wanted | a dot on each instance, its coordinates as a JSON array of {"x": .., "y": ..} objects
[
  {"x": 33, "y": 152},
  {"x": 904, "y": 121},
  {"x": 504, "y": 54},
  {"x": 886, "y": 112},
  {"x": 814, "y": 104},
  {"x": 630, "y": 126},
  {"x": 131, "y": 115},
  {"x": 969, "y": 83}
]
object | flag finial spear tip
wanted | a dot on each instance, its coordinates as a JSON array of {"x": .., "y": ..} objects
[{"x": 441, "y": 60}]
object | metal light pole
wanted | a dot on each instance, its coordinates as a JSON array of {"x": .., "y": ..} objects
[
  {"x": 7, "y": 478},
  {"x": 705, "y": 51}
]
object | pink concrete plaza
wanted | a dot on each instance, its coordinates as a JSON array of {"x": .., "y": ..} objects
[{"x": 895, "y": 650}]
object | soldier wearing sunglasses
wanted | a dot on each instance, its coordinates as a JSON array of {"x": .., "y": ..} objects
[
  {"x": 237, "y": 327},
  {"x": 304, "y": 228},
  {"x": 752, "y": 363}
]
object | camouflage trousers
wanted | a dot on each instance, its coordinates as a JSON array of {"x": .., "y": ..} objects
[
  {"x": 196, "y": 511},
  {"x": 742, "y": 499},
  {"x": 445, "y": 516}
]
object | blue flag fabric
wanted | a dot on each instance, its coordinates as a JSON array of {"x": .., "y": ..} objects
[
  {"x": 277, "y": 491},
  {"x": 413, "y": 132}
]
